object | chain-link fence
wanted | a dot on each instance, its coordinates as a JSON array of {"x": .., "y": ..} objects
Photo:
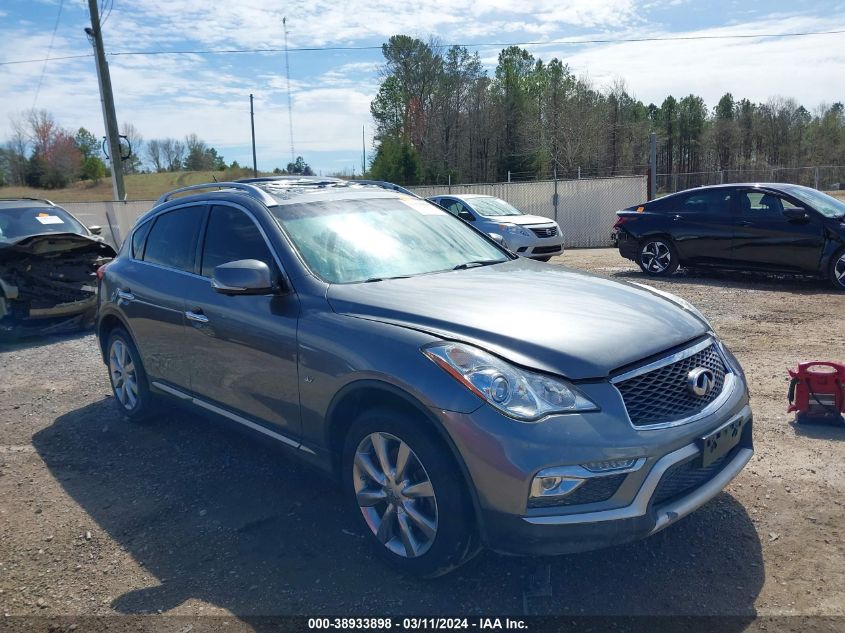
[
  {"x": 585, "y": 209},
  {"x": 116, "y": 218},
  {"x": 823, "y": 177}
]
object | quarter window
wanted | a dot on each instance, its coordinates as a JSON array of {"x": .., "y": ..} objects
[
  {"x": 172, "y": 241},
  {"x": 232, "y": 235},
  {"x": 139, "y": 239}
]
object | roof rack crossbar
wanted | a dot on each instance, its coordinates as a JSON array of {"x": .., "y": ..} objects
[{"x": 251, "y": 190}]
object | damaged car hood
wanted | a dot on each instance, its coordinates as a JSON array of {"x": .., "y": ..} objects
[
  {"x": 54, "y": 243},
  {"x": 540, "y": 316}
]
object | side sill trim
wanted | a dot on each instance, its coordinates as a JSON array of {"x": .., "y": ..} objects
[{"x": 185, "y": 397}]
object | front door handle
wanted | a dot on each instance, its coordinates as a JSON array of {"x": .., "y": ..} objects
[
  {"x": 124, "y": 295},
  {"x": 196, "y": 315},
  {"x": 743, "y": 223}
]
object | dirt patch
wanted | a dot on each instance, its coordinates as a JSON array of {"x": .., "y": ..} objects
[{"x": 189, "y": 517}]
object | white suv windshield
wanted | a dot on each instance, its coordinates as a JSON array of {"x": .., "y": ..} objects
[
  {"x": 348, "y": 241},
  {"x": 493, "y": 207}
]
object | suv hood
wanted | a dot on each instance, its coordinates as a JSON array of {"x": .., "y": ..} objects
[
  {"x": 54, "y": 243},
  {"x": 519, "y": 219},
  {"x": 545, "y": 317}
]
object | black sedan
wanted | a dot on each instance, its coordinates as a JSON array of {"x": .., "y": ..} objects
[{"x": 772, "y": 227}]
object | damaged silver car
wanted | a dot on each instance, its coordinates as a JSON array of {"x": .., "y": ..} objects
[{"x": 48, "y": 267}]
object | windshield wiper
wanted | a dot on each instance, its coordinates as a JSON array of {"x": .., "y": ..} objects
[
  {"x": 478, "y": 262},
  {"x": 372, "y": 279}
]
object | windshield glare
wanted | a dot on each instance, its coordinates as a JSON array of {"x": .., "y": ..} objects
[
  {"x": 493, "y": 207},
  {"x": 348, "y": 241},
  {"x": 821, "y": 202},
  {"x": 19, "y": 223}
]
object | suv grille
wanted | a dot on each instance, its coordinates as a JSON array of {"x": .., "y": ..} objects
[
  {"x": 546, "y": 231},
  {"x": 661, "y": 395},
  {"x": 686, "y": 476}
]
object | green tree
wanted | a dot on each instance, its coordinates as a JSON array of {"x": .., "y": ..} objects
[
  {"x": 300, "y": 167},
  {"x": 396, "y": 161}
]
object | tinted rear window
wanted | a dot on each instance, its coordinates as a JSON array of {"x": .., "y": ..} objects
[{"x": 172, "y": 241}]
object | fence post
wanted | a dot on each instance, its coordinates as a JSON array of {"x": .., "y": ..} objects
[
  {"x": 652, "y": 166},
  {"x": 554, "y": 198},
  {"x": 815, "y": 177},
  {"x": 509, "y": 175},
  {"x": 450, "y": 183},
  {"x": 579, "y": 172},
  {"x": 721, "y": 176}
]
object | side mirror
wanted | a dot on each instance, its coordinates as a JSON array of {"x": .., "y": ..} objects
[
  {"x": 243, "y": 277},
  {"x": 95, "y": 229},
  {"x": 498, "y": 239},
  {"x": 796, "y": 214}
]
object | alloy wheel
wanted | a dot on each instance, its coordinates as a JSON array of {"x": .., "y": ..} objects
[
  {"x": 124, "y": 377},
  {"x": 839, "y": 270},
  {"x": 656, "y": 256},
  {"x": 395, "y": 495}
]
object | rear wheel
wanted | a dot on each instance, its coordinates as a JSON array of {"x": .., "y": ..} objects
[
  {"x": 657, "y": 257},
  {"x": 127, "y": 376},
  {"x": 837, "y": 270},
  {"x": 407, "y": 493}
]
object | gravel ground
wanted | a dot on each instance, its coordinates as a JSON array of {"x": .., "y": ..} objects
[{"x": 187, "y": 516}]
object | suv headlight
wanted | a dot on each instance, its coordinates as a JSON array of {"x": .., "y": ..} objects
[
  {"x": 514, "y": 229},
  {"x": 519, "y": 394}
]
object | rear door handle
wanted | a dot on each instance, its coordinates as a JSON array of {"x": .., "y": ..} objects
[
  {"x": 196, "y": 315},
  {"x": 743, "y": 223},
  {"x": 125, "y": 295}
]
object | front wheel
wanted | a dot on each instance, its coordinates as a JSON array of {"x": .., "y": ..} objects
[
  {"x": 837, "y": 270},
  {"x": 407, "y": 493},
  {"x": 658, "y": 257}
]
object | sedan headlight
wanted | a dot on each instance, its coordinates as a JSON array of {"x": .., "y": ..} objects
[
  {"x": 514, "y": 229},
  {"x": 519, "y": 394}
]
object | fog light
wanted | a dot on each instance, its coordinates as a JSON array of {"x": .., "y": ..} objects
[
  {"x": 609, "y": 465},
  {"x": 554, "y": 486}
]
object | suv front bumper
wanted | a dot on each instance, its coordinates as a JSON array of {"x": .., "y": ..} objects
[{"x": 560, "y": 534}]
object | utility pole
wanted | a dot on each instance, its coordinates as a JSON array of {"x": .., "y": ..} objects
[
  {"x": 252, "y": 124},
  {"x": 290, "y": 104},
  {"x": 107, "y": 99},
  {"x": 363, "y": 153}
]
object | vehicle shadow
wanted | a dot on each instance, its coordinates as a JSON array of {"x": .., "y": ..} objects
[
  {"x": 35, "y": 341},
  {"x": 736, "y": 279},
  {"x": 217, "y": 516}
]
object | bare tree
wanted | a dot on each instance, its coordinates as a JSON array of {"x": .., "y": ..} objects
[
  {"x": 132, "y": 165},
  {"x": 153, "y": 153}
]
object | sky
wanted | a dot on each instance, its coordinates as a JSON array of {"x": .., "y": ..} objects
[{"x": 331, "y": 90}]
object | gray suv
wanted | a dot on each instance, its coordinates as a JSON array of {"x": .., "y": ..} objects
[{"x": 462, "y": 396}]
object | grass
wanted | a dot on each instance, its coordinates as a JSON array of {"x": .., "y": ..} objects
[{"x": 138, "y": 186}]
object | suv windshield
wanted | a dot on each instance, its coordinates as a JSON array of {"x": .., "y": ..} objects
[
  {"x": 19, "y": 223},
  {"x": 821, "y": 202},
  {"x": 493, "y": 207},
  {"x": 348, "y": 241}
]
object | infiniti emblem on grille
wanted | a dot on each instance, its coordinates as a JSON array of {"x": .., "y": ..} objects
[{"x": 700, "y": 381}]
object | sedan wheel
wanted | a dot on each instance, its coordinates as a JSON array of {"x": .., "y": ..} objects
[
  {"x": 658, "y": 257},
  {"x": 395, "y": 495},
  {"x": 124, "y": 377},
  {"x": 837, "y": 270}
]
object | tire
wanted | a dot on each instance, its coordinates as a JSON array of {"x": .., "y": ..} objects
[
  {"x": 658, "y": 257},
  {"x": 426, "y": 534},
  {"x": 837, "y": 270},
  {"x": 128, "y": 378},
  {"x": 545, "y": 258}
]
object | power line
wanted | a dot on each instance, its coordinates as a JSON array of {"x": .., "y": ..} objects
[
  {"x": 49, "y": 50},
  {"x": 311, "y": 49}
]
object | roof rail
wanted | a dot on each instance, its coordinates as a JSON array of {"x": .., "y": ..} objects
[
  {"x": 251, "y": 190},
  {"x": 50, "y": 202}
]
